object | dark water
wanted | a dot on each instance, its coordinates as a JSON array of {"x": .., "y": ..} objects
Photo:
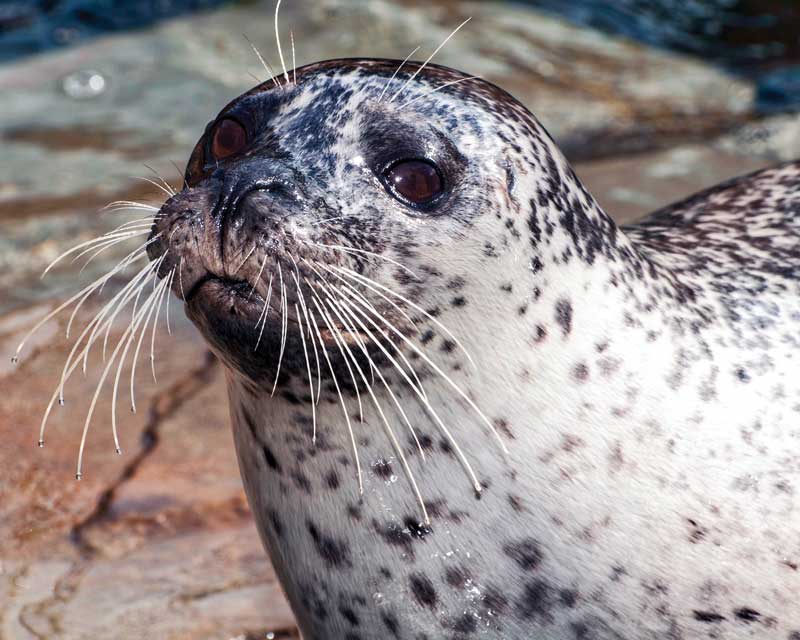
[
  {"x": 32, "y": 26},
  {"x": 756, "y": 38},
  {"x": 759, "y": 39}
]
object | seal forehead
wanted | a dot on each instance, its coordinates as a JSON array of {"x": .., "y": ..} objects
[{"x": 447, "y": 96}]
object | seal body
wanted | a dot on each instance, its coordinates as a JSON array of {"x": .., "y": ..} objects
[{"x": 562, "y": 428}]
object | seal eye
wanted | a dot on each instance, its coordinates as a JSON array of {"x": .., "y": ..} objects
[
  {"x": 416, "y": 182},
  {"x": 229, "y": 138}
]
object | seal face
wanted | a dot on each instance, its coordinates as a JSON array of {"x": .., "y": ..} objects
[{"x": 467, "y": 404}]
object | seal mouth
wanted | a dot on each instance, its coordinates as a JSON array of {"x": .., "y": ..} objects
[{"x": 244, "y": 301}]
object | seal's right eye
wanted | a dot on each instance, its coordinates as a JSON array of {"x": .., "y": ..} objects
[
  {"x": 416, "y": 182},
  {"x": 229, "y": 138}
]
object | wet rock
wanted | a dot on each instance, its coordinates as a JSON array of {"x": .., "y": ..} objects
[
  {"x": 159, "y": 542},
  {"x": 161, "y": 86}
]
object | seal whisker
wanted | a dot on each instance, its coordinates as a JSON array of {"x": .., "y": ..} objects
[
  {"x": 106, "y": 247},
  {"x": 296, "y": 276},
  {"x": 387, "y": 338},
  {"x": 258, "y": 276},
  {"x": 147, "y": 310},
  {"x": 437, "y": 419},
  {"x": 127, "y": 292},
  {"x": 394, "y": 75},
  {"x": 346, "y": 283},
  {"x": 70, "y": 368},
  {"x": 284, "y": 321},
  {"x": 294, "y": 61},
  {"x": 369, "y": 283},
  {"x": 156, "y": 306},
  {"x": 161, "y": 179},
  {"x": 430, "y": 57},
  {"x": 339, "y": 392},
  {"x": 127, "y": 260},
  {"x": 155, "y": 325},
  {"x": 449, "y": 381},
  {"x": 89, "y": 288},
  {"x": 338, "y": 247},
  {"x": 310, "y": 379},
  {"x": 262, "y": 318},
  {"x": 345, "y": 308},
  {"x": 244, "y": 260},
  {"x": 439, "y": 88},
  {"x": 336, "y": 291},
  {"x": 267, "y": 67},
  {"x": 107, "y": 236},
  {"x": 166, "y": 190},
  {"x": 125, "y": 339},
  {"x": 124, "y": 205},
  {"x": 390, "y": 432},
  {"x": 317, "y": 302},
  {"x": 353, "y": 292},
  {"x": 278, "y": 41}
]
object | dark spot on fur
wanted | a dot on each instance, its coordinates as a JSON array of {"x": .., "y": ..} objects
[
  {"x": 382, "y": 468},
  {"x": 332, "y": 479},
  {"x": 465, "y": 623},
  {"x": 747, "y": 615},
  {"x": 301, "y": 480},
  {"x": 334, "y": 552},
  {"x": 581, "y": 372},
  {"x": 456, "y": 577},
  {"x": 270, "y": 458},
  {"x": 416, "y": 528},
  {"x": 390, "y": 620},
  {"x": 423, "y": 590},
  {"x": 536, "y": 600},
  {"x": 708, "y": 616},
  {"x": 494, "y": 601},
  {"x": 349, "y": 615},
  {"x": 459, "y": 301},
  {"x": 568, "y": 597},
  {"x": 563, "y": 316},
  {"x": 526, "y": 553}
]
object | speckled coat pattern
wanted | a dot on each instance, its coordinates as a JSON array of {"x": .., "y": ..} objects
[{"x": 645, "y": 380}]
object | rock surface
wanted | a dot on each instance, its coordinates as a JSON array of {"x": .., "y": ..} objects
[{"x": 159, "y": 542}]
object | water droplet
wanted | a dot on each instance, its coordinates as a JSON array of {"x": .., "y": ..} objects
[
  {"x": 270, "y": 636},
  {"x": 41, "y": 444},
  {"x": 14, "y": 359},
  {"x": 119, "y": 451},
  {"x": 393, "y": 478},
  {"x": 78, "y": 476},
  {"x": 84, "y": 84},
  {"x": 133, "y": 409},
  {"x": 61, "y": 401}
]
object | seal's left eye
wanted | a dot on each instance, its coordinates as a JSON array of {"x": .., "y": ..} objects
[
  {"x": 229, "y": 138},
  {"x": 416, "y": 182}
]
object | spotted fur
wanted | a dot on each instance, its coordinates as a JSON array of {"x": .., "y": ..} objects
[{"x": 645, "y": 379}]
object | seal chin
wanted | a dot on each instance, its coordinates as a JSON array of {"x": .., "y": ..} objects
[{"x": 238, "y": 296}]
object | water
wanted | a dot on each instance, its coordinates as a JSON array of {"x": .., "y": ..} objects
[
  {"x": 759, "y": 39},
  {"x": 756, "y": 38},
  {"x": 33, "y": 26}
]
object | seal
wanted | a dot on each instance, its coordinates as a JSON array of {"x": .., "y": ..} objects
[{"x": 465, "y": 403}]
